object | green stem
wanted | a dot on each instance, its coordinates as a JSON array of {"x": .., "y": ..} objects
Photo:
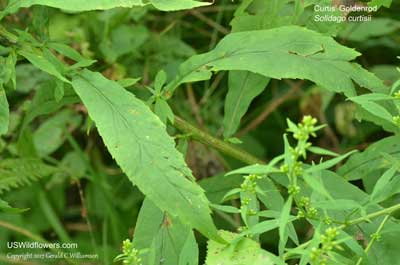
[
  {"x": 218, "y": 144},
  {"x": 387, "y": 211},
  {"x": 8, "y": 35},
  {"x": 374, "y": 238}
]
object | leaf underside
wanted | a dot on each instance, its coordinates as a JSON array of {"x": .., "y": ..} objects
[
  {"x": 79, "y": 5},
  {"x": 139, "y": 143}
]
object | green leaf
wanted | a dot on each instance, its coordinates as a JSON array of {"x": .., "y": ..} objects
[
  {"x": 253, "y": 205},
  {"x": 337, "y": 204},
  {"x": 11, "y": 62},
  {"x": 162, "y": 238},
  {"x": 283, "y": 221},
  {"x": 255, "y": 169},
  {"x": 225, "y": 208},
  {"x": 269, "y": 194},
  {"x": 138, "y": 142},
  {"x": 365, "y": 32},
  {"x": 159, "y": 81},
  {"x": 321, "y": 151},
  {"x": 5, "y": 70},
  {"x": 6, "y": 208},
  {"x": 4, "y": 112},
  {"x": 123, "y": 40},
  {"x": 371, "y": 161},
  {"x": 127, "y": 82},
  {"x": 43, "y": 64},
  {"x": 262, "y": 227},
  {"x": 66, "y": 51},
  {"x": 78, "y": 5},
  {"x": 246, "y": 251},
  {"x": 168, "y": 242},
  {"x": 163, "y": 111},
  {"x": 328, "y": 164},
  {"x": 218, "y": 186},
  {"x": 315, "y": 182},
  {"x": 71, "y": 5},
  {"x": 379, "y": 3},
  {"x": 190, "y": 251},
  {"x": 258, "y": 169},
  {"x": 232, "y": 194},
  {"x": 340, "y": 188},
  {"x": 372, "y": 107},
  {"x": 49, "y": 213},
  {"x": 58, "y": 90},
  {"x": 22, "y": 171},
  {"x": 147, "y": 226},
  {"x": 173, "y": 5},
  {"x": 51, "y": 134},
  {"x": 378, "y": 193},
  {"x": 284, "y": 52},
  {"x": 44, "y": 103},
  {"x": 72, "y": 54},
  {"x": 243, "y": 88},
  {"x": 233, "y": 140}
]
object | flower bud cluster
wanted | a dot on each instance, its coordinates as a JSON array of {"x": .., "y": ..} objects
[
  {"x": 293, "y": 190},
  {"x": 319, "y": 255},
  {"x": 376, "y": 236},
  {"x": 306, "y": 128},
  {"x": 309, "y": 211},
  {"x": 248, "y": 187},
  {"x": 396, "y": 120},
  {"x": 130, "y": 255},
  {"x": 250, "y": 183},
  {"x": 302, "y": 133}
]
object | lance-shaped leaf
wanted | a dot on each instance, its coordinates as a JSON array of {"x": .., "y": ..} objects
[
  {"x": 379, "y": 3},
  {"x": 171, "y": 5},
  {"x": 170, "y": 242},
  {"x": 138, "y": 141},
  {"x": 243, "y": 88},
  {"x": 79, "y": 5},
  {"x": 21, "y": 172},
  {"x": 245, "y": 251},
  {"x": 371, "y": 161},
  {"x": 4, "y": 112},
  {"x": 284, "y": 52}
]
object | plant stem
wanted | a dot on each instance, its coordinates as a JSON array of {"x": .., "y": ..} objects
[
  {"x": 218, "y": 144},
  {"x": 387, "y": 211},
  {"x": 8, "y": 35},
  {"x": 374, "y": 238}
]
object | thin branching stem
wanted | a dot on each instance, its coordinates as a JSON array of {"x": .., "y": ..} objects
[
  {"x": 216, "y": 143},
  {"x": 387, "y": 211}
]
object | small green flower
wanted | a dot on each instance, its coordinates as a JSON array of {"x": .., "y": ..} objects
[
  {"x": 284, "y": 168},
  {"x": 130, "y": 255},
  {"x": 304, "y": 202},
  {"x": 376, "y": 236},
  {"x": 246, "y": 201},
  {"x": 301, "y": 214},
  {"x": 312, "y": 213},
  {"x": 327, "y": 220},
  {"x": 293, "y": 189},
  {"x": 251, "y": 212},
  {"x": 396, "y": 120}
]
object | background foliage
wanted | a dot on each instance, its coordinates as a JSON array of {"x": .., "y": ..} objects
[{"x": 191, "y": 132}]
